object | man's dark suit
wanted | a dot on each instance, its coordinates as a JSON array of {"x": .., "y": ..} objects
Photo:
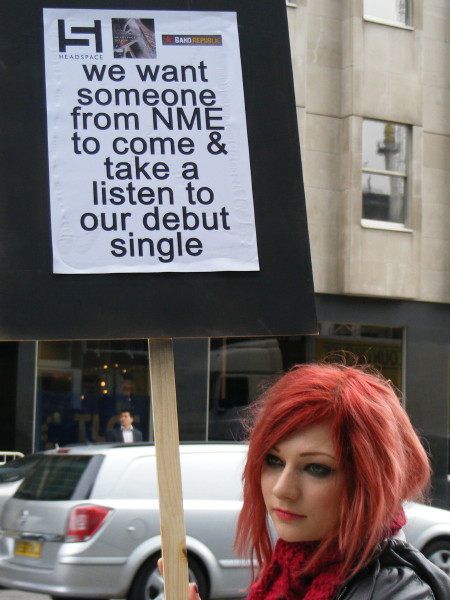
[{"x": 115, "y": 435}]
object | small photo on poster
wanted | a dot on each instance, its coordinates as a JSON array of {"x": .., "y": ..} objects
[{"x": 134, "y": 38}]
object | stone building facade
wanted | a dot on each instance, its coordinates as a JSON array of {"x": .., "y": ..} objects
[{"x": 350, "y": 67}]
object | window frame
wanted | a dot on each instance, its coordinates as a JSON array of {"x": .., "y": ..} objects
[
  {"x": 408, "y": 24},
  {"x": 404, "y": 225}
]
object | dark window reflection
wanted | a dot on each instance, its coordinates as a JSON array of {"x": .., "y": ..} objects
[
  {"x": 241, "y": 368},
  {"x": 83, "y": 385}
]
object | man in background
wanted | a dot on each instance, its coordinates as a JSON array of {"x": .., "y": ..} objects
[{"x": 126, "y": 433}]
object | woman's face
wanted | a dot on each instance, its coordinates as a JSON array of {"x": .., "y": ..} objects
[{"x": 302, "y": 484}]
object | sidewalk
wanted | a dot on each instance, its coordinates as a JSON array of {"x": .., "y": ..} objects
[{"x": 16, "y": 595}]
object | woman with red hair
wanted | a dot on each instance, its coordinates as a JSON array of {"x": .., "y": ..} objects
[{"x": 332, "y": 456}]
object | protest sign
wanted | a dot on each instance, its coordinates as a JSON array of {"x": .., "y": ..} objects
[
  {"x": 151, "y": 186},
  {"x": 151, "y": 172},
  {"x": 149, "y": 163}
]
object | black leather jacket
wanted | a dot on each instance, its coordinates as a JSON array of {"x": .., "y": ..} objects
[{"x": 399, "y": 572}]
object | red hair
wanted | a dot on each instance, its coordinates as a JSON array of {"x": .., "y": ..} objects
[{"x": 383, "y": 460}]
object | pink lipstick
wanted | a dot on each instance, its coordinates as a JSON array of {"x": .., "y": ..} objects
[{"x": 287, "y": 515}]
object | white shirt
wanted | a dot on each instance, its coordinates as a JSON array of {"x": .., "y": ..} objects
[{"x": 127, "y": 435}]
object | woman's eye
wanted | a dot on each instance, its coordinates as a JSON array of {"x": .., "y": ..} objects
[
  {"x": 273, "y": 461},
  {"x": 318, "y": 470}
]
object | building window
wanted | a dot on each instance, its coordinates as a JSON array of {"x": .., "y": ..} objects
[
  {"x": 384, "y": 172},
  {"x": 241, "y": 368},
  {"x": 393, "y": 12},
  {"x": 83, "y": 385},
  {"x": 381, "y": 347},
  {"x": 238, "y": 369}
]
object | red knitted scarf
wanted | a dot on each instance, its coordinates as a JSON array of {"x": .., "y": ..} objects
[{"x": 282, "y": 582}]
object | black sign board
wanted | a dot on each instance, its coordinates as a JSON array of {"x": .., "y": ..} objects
[{"x": 270, "y": 292}]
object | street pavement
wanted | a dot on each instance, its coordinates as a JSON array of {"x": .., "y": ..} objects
[{"x": 16, "y": 595}]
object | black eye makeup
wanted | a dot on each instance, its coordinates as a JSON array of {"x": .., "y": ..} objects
[
  {"x": 318, "y": 470},
  {"x": 315, "y": 469},
  {"x": 271, "y": 460}
]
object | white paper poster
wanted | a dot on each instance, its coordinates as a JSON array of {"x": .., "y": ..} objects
[{"x": 148, "y": 151}]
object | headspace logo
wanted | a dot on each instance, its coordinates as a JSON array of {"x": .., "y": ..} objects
[{"x": 94, "y": 32}]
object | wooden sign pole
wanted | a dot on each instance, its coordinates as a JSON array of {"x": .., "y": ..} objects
[{"x": 165, "y": 424}]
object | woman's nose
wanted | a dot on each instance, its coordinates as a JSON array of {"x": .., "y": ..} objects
[{"x": 286, "y": 485}]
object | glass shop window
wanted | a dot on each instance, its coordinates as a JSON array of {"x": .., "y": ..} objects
[
  {"x": 237, "y": 372},
  {"x": 385, "y": 151},
  {"x": 393, "y": 12},
  {"x": 83, "y": 385},
  {"x": 378, "y": 346},
  {"x": 241, "y": 368}
]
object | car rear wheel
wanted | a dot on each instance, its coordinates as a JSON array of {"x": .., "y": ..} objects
[
  {"x": 438, "y": 552},
  {"x": 148, "y": 583}
]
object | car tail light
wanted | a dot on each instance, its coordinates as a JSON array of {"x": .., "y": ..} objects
[{"x": 84, "y": 521}]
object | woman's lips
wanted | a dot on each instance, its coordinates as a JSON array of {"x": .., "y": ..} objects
[{"x": 287, "y": 515}]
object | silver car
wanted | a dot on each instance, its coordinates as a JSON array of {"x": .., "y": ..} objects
[
  {"x": 12, "y": 473},
  {"x": 428, "y": 529},
  {"x": 84, "y": 523}
]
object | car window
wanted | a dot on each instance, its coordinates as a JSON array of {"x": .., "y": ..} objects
[
  {"x": 16, "y": 469},
  {"x": 60, "y": 477}
]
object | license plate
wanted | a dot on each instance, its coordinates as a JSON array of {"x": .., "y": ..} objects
[{"x": 25, "y": 548}]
